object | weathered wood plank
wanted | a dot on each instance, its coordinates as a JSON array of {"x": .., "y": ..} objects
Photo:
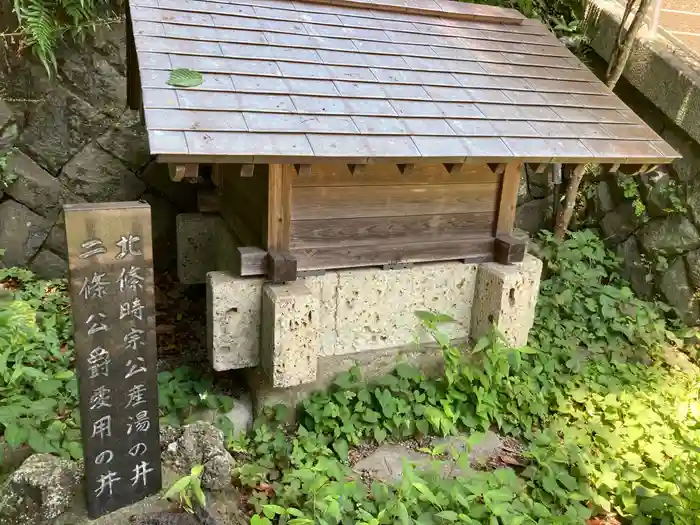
[
  {"x": 279, "y": 206},
  {"x": 250, "y": 261},
  {"x": 243, "y": 202},
  {"x": 508, "y": 198},
  {"x": 366, "y": 230},
  {"x": 388, "y": 201},
  {"x": 476, "y": 250}
]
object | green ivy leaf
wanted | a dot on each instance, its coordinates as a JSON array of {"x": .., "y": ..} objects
[
  {"x": 185, "y": 78},
  {"x": 379, "y": 434},
  {"x": 341, "y": 448}
]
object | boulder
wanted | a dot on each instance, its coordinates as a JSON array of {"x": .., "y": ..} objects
[
  {"x": 670, "y": 236},
  {"x": 22, "y": 233},
  {"x": 48, "y": 265},
  {"x": 634, "y": 269},
  {"x": 127, "y": 141},
  {"x": 539, "y": 184},
  {"x": 168, "y": 435},
  {"x": 534, "y": 215},
  {"x": 603, "y": 201},
  {"x": 35, "y": 187},
  {"x": 693, "y": 200},
  {"x": 39, "y": 491},
  {"x": 676, "y": 289},
  {"x": 620, "y": 223},
  {"x": 201, "y": 443},
  {"x": 59, "y": 127},
  {"x": 97, "y": 176},
  {"x": 8, "y": 127},
  {"x": 657, "y": 189},
  {"x": 56, "y": 241}
]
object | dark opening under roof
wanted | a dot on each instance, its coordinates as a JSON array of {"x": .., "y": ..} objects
[{"x": 359, "y": 81}]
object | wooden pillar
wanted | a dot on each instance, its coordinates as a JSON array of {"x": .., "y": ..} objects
[
  {"x": 133, "y": 77},
  {"x": 282, "y": 266},
  {"x": 508, "y": 198}
]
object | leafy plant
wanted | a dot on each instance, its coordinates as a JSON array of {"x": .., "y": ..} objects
[
  {"x": 188, "y": 490},
  {"x": 6, "y": 177},
  {"x": 185, "y": 78}
]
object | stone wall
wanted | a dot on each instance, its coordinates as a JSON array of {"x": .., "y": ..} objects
[{"x": 70, "y": 139}]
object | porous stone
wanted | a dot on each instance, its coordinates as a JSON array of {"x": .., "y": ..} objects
[
  {"x": 675, "y": 287},
  {"x": 290, "y": 337},
  {"x": 197, "y": 236},
  {"x": 534, "y": 215},
  {"x": 201, "y": 443},
  {"x": 127, "y": 141},
  {"x": 634, "y": 269},
  {"x": 620, "y": 223},
  {"x": 97, "y": 176},
  {"x": 39, "y": 491},
  {"x": 168, "y": 434},
  {"x": 505, "y": 296},
  {"x": 48, "y": 265},
  {"x": 669, "y": 236},
  {"x": 233, "y": 316},
  {"x": 22, "y": 233},
  {"x": 36, "y": 188}
]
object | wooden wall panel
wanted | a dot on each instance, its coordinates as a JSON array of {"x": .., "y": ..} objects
[
  {"x": 357, "y": 231},
  {"x": 243, "y": 202},
  {"x": 382, "y": 174},
  {"x": 333, "y": 202}
]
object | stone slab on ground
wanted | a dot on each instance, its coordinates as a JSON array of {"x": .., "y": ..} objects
[{"x": 386, "y": 463}]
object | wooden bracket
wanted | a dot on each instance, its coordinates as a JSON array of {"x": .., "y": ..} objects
[
  {"x": 207, "y": 200},
  {"x": 453, "y": 169},
  {"x": 508, "y": 249},
  {"x": 178, "y": 172},
  {"x": 541, "y": 168},
  {"x": 303, "y": 170},
  {"x": 247, "y": 170},
  {"x": 281, "y": 267},
  {"x": 614, "y": 168},
  {"x": 498, "y": 169}
]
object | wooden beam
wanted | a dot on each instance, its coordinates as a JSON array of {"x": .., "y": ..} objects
[
  {"x": 281, "y": 267},
  {"x": 303, "y": 170},
  {"x": 614, "y": 168},
  {"x": 508, "y": 249},
  {"x": 453, "y": 169},
  {"x": 133, "y": 76},
  {"x": 405, "y": 169},
  {"x": 541, "y": 168},
  {"x": 250, "y": 261},
  {"x": 247, "y": 170},
  {"x": 356, "y": 169},
  {"x": 279, "y": 206},
  {"x": 179, "y": 172},
  {"x": 498, "y": 169},
  {"x": 508, "y": 198},
  {"x": 207, "y": 200}
]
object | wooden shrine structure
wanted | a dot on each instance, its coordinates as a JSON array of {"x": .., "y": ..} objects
[{"x": 349, "y": 133}]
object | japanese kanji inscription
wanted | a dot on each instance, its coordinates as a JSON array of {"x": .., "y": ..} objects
[{"x": 111, "y": 280}]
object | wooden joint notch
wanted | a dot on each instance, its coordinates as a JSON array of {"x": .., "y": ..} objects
[
  {"x": 208, "y": 200},
  {"x": 498, "y": 169},
  {"x": 281, "y": 267},
  {"x": 303, "y": 170},
  {"x": 508, "y": 249},
  {"x": 541, "y": 167},
  {"x": 453, "y": 169},
  {"x": 247, "y": 170},
  {"x": 356, "y": 169},
  {"x": 405, "y": 169},
  {"x": 180, "y": 172}
]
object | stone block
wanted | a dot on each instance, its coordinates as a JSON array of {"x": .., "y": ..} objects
[
  {"x": 22, "y": 233},
  {"x": 197, "y": 236},
  {"x": 98, "y": 176},
  {"x": 634, "y": 269},
  {"x": 48, "y": 265},
  {"x": 620, "y": 223},
  {"x": 670, "y": 236},
  {"x": 677, "y": 291},
  {"x": 128, "y": 141},
  {"x": 233, "y": 320},
  {"x": 289, "y": 334},
  {"x": 505, "y": 296}
]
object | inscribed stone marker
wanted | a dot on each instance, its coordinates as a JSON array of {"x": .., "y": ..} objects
[{"x": 111, "y": 283}]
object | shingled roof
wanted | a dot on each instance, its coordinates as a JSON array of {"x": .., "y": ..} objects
[{"x": 358, "y": 81}]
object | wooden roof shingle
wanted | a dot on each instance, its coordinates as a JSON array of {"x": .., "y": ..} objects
[{"x": 358, "y": 80}]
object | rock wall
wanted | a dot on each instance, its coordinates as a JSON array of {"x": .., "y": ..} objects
[{"x": 71, "y": 139}]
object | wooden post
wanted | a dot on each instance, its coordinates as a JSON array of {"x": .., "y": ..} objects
[
  {"x": 111, "y": 287},
  {"x": 508, "y": 198},
  {"x": 281, "y": 264}
]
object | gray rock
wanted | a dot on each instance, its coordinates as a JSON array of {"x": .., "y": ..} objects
[
  {"x": 678, "y": 293},
  {"x": 523, "y": 193},
  {"x": 202, "y": 444},
  {"x": 603, "y": 201},
  {"x": 97, "y": 176},
  {"x": 180, "y": 194},
  {"x": 128, "y": 141},
  {"x": 656, "y": 189},
  {"x": 22, "y": 233},
  {"x": 693, "y": 261},
  {"x": 34, "y": 187},
  {"x": 481, "y": 451},
  {"x": 48, "y": 265},
  {"x": 39, "y": 491},
  {"x": 8, "y": 127},
  {"x": 534, "y": 215},
  {"x": 634, "y": 269},
  {"x": 56, "y": 241},
  {"x": 539, "y": 184},
  {"x": 670, "y": 236},
  {"x": 241, "y": 415},
  {"x": 168, "y": 435},
  {"x": 59, "y": 127},
  {"x": 620, "y": 223},
  {"x": 693, "y": 200}
]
